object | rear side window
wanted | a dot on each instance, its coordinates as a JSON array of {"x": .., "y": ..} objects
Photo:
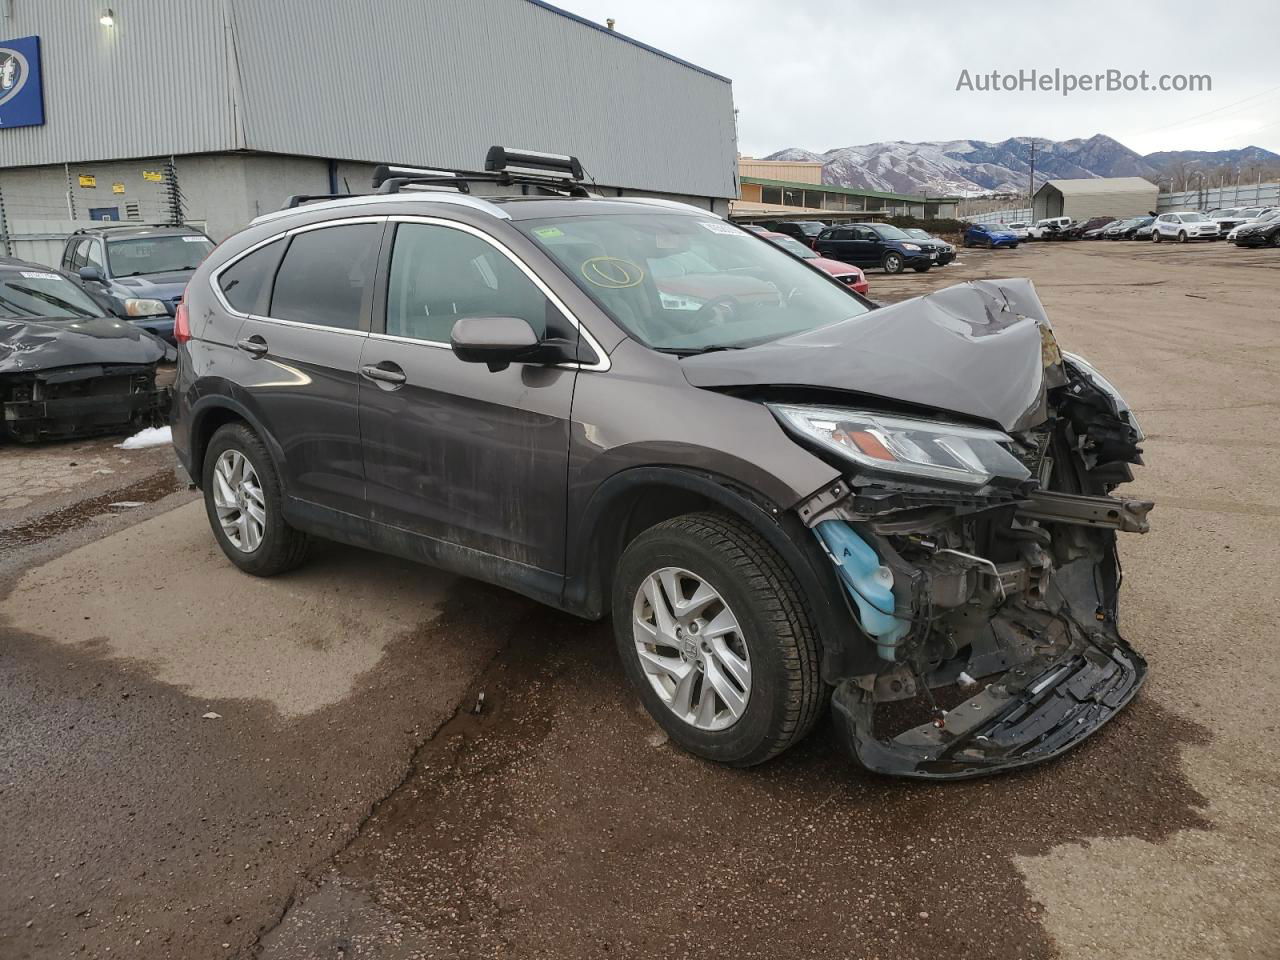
[
  {"x": 245, "y": 282},
  {"x": 325, "y": 274}
]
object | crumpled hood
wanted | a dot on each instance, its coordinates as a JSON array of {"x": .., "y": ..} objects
[
  {"x": 975, "y": 349},
  {"x": 27, "y": 345}
]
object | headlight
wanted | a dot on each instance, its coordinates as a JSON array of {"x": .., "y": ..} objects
[
  {"x": 144, "y": 308},
  {"x": 1105, "y": 385},
  {"x": 911, "y": 246},
  {"x": 917, "y": 448}
]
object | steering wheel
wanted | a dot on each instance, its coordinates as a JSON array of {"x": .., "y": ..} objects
[{"x": 716, "y": 312}]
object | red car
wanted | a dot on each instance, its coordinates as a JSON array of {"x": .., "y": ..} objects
[{"x": 844, "y": 272}]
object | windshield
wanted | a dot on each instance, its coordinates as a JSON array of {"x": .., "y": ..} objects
[
  {"x": 792, "y": 245},
  {"x": 918, "y": 233},
  {"x": 139, "y": 256},
  {"x": 1017, "y": 226},
  {"x": 35, "y": 294},
  {"x": 685, "y": 284},
  {"x": 1192, "y": 217}
]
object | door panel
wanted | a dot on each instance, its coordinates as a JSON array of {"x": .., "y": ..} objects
[
  {"x": 299, "y": 365},
  {"x": 455, "y": 452}
]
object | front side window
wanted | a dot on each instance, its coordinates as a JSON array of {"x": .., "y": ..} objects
[
  {"x": 685, "y": 284},
  {"x": 440, "y": 274},
  {"x": 143, "y": 256},
  {"x": 325, "y": 274},
  {"x": 93, "y": 254}
]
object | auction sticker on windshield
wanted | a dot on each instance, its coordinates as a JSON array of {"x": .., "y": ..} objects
[
  {"x": 719, "y": 226},
  {"x": 30, "y": 275}
]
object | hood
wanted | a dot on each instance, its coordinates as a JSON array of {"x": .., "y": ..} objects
[
  {"x": 156, "y": 286},
  {"x": 974, "y": 349},
  {"x": 27, "y": 345},
  {"x": 833, "y": 267}
]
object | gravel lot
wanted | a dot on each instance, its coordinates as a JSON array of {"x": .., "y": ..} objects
[{"x": 347, "y": 802}]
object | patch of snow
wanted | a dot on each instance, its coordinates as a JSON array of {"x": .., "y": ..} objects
[{"x": 150, "y": 437}]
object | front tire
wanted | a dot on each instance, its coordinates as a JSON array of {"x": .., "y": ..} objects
[
  {"x": 892, "y": 263},
  {"x": 922, "y": 269},
  {"x": 1182, "y": 236},
  {"x": 715, "y": 639},
  {"x": 242, "y": 498}
]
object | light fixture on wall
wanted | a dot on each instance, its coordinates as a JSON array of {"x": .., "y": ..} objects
[{"x": 108, "y": 19}]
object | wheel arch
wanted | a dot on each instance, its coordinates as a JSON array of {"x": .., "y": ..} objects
[
  {"x": 632, "y": 501},
  {"x": 213, "y": 411}
]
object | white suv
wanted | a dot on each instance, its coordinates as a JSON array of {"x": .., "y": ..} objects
[
  {"x": 1183, "y": 227},
  {"x": 1050, "y": 225}
]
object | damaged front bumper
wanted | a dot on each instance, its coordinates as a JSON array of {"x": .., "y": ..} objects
[
  {"x": 1029, "y": 714},
  {"x": 81, "y": 401}
]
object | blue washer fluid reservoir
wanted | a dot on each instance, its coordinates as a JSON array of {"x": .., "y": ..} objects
[{"x": 869, "y": 582}]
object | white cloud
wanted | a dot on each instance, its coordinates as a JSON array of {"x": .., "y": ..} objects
[{"x": 833, "y": 74}]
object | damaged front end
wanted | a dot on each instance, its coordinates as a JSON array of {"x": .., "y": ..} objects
[
  {"x": 61, "y": 379},
  {"x": 982, "y": 566}
]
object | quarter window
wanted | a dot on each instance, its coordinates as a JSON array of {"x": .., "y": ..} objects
[
  {"x": 246, "y": 281},
  {"x": 439, "y": 274},
  {"x": 325, "y": 274}
]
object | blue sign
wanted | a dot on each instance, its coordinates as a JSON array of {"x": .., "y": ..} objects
[{"x": 21, "y": 95}]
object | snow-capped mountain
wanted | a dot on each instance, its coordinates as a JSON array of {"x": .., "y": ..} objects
[{"x": 969, "y": 167}]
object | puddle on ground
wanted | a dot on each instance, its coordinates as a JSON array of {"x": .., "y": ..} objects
[{"x": 57, "y": 522}]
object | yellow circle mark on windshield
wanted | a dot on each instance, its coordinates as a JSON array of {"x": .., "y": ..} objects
[{"x": 612, "y": 272}]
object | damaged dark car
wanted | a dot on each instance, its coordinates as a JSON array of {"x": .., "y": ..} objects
[
  {"x": 67, "y": 368},
  {"x": 788, "y": 499}
]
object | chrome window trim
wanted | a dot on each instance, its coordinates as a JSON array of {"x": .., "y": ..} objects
[
  {"x": 304, "y": 228},
  {"x": 600, "y": 366}
]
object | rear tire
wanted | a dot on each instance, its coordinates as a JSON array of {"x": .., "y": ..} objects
[
  {"x": 1155, "y": 236},
  {"x": 772, "y": 636},
  {"x": 264, "y": 544}
]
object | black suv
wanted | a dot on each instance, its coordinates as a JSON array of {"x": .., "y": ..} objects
[
  {"x": 806, "y": 231},
  {"x": 879, "y": 245},
  {"x": 137, "y": 271},
  {"x": 783, "y": 496}
]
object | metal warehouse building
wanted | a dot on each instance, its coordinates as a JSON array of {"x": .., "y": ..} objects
[
  {"x": 229, "y": 106},
  {"x": 1096, "y": 197}
]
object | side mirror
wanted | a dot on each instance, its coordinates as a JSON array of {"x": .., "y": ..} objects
[
  {"x": 91, "y": 274},
  {"x": 501, "y": 341}
]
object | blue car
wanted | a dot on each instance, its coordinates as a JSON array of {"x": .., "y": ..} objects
[
  {"x": 136, "y": 271},
  {"x": 988, "y": 235}
]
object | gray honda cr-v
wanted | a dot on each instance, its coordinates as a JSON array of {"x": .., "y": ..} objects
[{"x": 783, "y": 495}]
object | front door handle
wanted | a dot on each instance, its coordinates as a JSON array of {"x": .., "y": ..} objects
[
  {"x": 254, "y": 345},
  {"x": 385, "y": 372}
]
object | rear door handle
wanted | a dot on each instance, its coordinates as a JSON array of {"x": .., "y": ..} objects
[
  {"x": 384, "y": 372},
  {"x": 254, "y": 345}
]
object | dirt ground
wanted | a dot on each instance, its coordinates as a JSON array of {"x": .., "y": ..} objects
[{"x": 347, "y": 801}]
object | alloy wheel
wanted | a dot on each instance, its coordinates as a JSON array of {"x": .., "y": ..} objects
[
  {"x": 239, "y": 500},
  {"x": 691, "y": 649}
]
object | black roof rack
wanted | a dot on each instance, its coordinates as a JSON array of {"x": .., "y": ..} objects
[
  {"x": 132, "y": 225},
  {"x": 298, "y": 199},
  {"x": 555, "y": 173}
]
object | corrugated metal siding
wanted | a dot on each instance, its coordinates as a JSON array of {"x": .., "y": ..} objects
[
  {"x": 155, "y": 83},
  {"x": 437, "y": 83}
]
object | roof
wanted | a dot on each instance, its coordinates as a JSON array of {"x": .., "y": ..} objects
[
  {"x": 852, "y": 191},
  {"x": 1095, "y": 185},
  {"x": 503, "y": 208},
  {"x": 631, "y": 40},
  {"x": 114, "y": 229}
]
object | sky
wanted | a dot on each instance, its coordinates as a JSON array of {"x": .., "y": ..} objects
[{"x": 843, "y": 72}]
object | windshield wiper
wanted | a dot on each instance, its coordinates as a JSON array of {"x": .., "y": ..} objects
[{"x": 695, "y": 351}]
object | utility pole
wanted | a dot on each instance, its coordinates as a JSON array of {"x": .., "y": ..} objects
[{"x": 1031, "y": 181}]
